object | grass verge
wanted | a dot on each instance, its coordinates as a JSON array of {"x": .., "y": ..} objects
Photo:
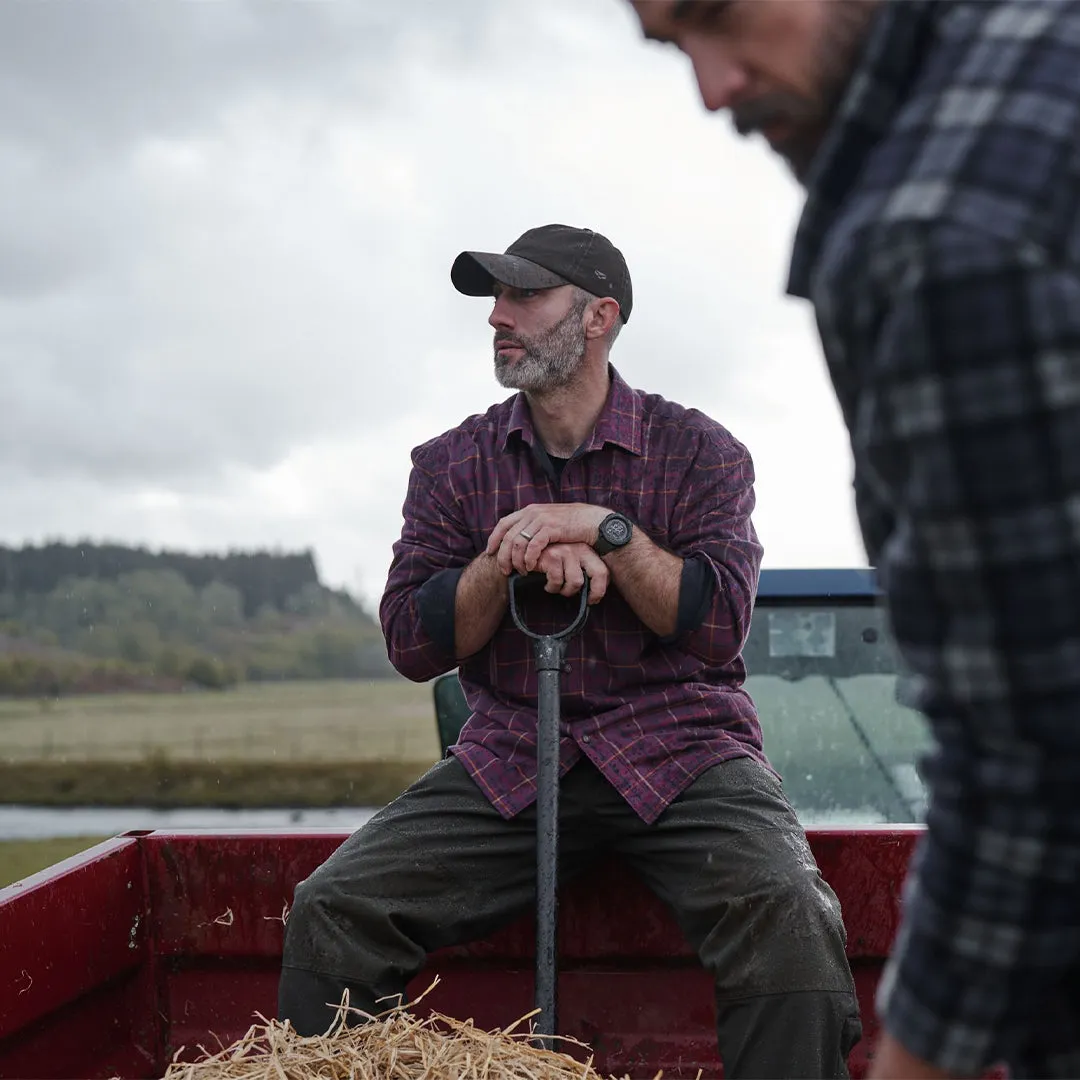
[
  {"x": 165, "y": 783},
  {"x": 21, "y": 858}
]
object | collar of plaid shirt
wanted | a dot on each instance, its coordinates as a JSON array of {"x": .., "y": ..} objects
[
  {"x": 652, "y": 714},
  {"x": 619, "y": 423},
  {"x": 895, "y": 50}
]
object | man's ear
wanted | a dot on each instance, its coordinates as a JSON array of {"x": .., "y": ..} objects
[{"x": 601, "y": 317}]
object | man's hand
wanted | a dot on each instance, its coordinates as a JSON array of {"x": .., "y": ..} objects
[
  {"x": 893, "y": 1062},
  {"x": 566, "y": 566},
  {"x": 520, "y": 537}
]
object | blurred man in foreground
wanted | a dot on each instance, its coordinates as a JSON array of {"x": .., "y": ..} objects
[{"x": 939, "y": 145}]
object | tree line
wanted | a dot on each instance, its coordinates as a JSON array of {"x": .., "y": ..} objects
[
  {"x": 262, "y": 578},
  {"x": 77, "y": 618}
]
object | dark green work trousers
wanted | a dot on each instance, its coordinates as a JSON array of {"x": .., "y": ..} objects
[{"x": 439, "y": 866}]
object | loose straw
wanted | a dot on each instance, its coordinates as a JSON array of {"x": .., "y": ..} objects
[{"x": 391, "y": 1045}]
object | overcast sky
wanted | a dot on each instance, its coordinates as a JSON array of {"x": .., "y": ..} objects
[{"x": 226, "y": 231}]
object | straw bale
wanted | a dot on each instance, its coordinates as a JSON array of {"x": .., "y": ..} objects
[{"x": 392, "y": 1045}]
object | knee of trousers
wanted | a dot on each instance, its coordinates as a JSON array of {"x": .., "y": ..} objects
[
  {"x": 307, "y": 913},
  {"x": 785, "y": 939},
  {"x": 324, "y": 929}
]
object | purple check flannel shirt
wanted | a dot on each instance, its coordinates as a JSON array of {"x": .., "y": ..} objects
[{"x": 651, "y": 713}]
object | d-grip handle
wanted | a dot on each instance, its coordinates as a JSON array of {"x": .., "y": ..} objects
[{"x": 579, "y": 620}]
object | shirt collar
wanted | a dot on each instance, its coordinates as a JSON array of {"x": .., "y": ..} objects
[
  {"x": 895, "y": 50},
  {"x": 619, "y": 423}
]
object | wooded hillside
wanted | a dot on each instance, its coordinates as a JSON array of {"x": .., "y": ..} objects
[{"x": 77, "y": 617}]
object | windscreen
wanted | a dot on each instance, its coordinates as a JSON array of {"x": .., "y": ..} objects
[{"x": 824, "y": 678}]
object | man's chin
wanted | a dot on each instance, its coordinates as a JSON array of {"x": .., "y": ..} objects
[
  {"x": 798, "y": 155},
  {"x": 506, "y": 376},
  {"x": 516, "y": 380}
]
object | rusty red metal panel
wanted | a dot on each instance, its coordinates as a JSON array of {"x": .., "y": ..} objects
[
  {"x": 96, "y": 1035},
  {"x": 629, "y": 985},
  {"x": 225, "y": 894},
  {"x": 215, "y": 1003},
  {"x": 866, "y": 869},
  {"x": 70, "y": 929},
  {"x": 204, "y": 914}
]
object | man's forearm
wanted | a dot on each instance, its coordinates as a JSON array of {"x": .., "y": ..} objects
[
  {"x": 479, "y": 605},
  {"x": 648, "y": 577}
]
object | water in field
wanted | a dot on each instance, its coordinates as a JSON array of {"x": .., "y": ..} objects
[{"x": 49, "y": 822}]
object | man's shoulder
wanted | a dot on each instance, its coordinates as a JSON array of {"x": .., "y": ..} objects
[
  {"x": 474, "y": 435},
  {"x": 988, "y": 134},
  {"x": 666, "y": 421}
]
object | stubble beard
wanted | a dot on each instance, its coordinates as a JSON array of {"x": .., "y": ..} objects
[
  {"x": 550, "y": 360},
  {"x": 838, "y": 53}
]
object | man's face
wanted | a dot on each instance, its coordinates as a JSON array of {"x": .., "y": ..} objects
[
  {"x": 539, "y": 337},
  {"x": 779, "y": 66}
]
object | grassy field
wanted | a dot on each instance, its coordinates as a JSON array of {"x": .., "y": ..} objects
[
  {"x": 21, "y": 858},
  {"x": 318, "y": 721},
  {"x": 304, "y": 743}
]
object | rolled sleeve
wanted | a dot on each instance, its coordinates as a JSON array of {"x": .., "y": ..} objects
[
  {"x": 967, "y": 432},
  {"x": 713, "y": 531},
  {"x": 436, "y": 603},
  {"x": 417, "y": 607},
  {"x": 697, "y": 587}
]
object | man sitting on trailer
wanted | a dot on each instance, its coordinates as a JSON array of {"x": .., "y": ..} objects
[{"x": 661, "y": 751}]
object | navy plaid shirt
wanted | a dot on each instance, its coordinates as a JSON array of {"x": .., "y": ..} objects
[
  {"x": 940, "y": 245},
  {"x": 651, "y": 713}
]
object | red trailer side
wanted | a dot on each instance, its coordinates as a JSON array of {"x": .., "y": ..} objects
[{"x": 114, "y": 960}]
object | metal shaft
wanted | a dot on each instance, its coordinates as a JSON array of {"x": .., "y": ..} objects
[
  {"x": 550, "y": 651},
  {"x": 549, "y": 661}
]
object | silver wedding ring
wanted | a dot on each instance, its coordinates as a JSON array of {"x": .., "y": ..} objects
[{"x": 528, "y": 536}]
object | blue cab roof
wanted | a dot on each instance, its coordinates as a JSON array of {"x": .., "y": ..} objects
[{"x": 823, "y": 582}]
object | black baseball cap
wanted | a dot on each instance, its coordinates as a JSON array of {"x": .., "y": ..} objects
[{"x": 546, "y": 257}]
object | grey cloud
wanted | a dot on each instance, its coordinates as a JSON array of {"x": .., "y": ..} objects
[
  {"x": 84, "y": 84},
  {"x": 56, "y": 228},
  {"x": 79, "y": 78},
  {"x": 155, "y": 335},
  {"x": 225, "y": 238}
]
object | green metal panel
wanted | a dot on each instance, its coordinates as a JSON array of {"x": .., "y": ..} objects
[{"x": 451, "y": 708}]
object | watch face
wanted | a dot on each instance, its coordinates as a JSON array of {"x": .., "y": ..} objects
[{"x": 616, "y": 531}]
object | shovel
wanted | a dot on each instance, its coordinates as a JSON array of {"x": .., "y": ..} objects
[{"x": 550, "y": 652}]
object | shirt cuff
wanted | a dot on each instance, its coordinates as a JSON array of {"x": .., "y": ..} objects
[
  {"x": 435, "y": 603},
  {"x": 964, "y": 971},
  {"x": 697, "y": 587},
  {"x": 913, "y": 1011}
]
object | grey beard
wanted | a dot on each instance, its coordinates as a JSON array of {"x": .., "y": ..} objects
[{"x": 550, "y": 360}]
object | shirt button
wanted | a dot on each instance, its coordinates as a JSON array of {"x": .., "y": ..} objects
[
  {"x": 584, "y": 738},
  {"x": 567, "y": 669}
]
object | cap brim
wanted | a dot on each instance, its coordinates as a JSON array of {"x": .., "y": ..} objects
[{"x": 474, "y": 273}]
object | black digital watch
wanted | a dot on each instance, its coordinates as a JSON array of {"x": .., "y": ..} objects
[{"x": 614, "y": 532}]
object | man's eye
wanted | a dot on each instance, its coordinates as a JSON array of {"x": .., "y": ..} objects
[
  {"x": 515, "y": 294},
  {"x": 715, "y": 11},
  {"x": 703, "y": 14}
]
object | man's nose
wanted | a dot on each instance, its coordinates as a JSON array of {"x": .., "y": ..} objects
[
  {"x": 501, "y": 317},
  {"x": 720, "y": 80}
]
